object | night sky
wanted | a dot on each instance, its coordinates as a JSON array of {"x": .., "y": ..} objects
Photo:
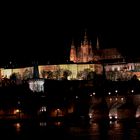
[{"x": 44, "y": 32}]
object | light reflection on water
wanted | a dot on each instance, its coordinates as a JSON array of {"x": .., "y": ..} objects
[
  {"x": 17, "y": 127},
  {"x": 95, "y": 130}
]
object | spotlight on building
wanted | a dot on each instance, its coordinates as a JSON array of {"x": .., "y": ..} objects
[{"x": 36, "y": 85}]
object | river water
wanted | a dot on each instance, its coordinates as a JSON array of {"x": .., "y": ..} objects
[{"x": 58, "y": 130}]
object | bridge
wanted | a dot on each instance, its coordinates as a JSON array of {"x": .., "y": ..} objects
[{"x": 117, "y": 107}]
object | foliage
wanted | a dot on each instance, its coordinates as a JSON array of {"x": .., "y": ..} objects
[{"x": 27, "y": 74}]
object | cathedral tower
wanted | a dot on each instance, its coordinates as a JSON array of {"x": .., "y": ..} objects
[
  {"x": 84, "y": 53},
  {"x": 73, "y": 56}
]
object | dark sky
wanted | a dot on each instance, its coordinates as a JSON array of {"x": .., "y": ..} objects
[{"x": 45, "y": 31}]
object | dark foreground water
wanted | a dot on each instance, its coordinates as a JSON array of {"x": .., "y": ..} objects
[{"x": 81, "y": 131}]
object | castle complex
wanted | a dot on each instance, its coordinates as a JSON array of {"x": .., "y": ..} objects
[{"x": 86, "y": 61}]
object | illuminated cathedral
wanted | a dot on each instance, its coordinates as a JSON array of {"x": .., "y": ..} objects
[{"x": 86, "y": 53}]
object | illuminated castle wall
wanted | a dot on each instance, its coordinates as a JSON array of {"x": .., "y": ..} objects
[
  {"x": 56, "y": 72},
  {"x": 21, "y": 73},
  {"x": 70, "y": 71},
  {"x": 85, "y": 53},
  {"x": 114, "y": 72},
  {"x": 123, "y": 72}
]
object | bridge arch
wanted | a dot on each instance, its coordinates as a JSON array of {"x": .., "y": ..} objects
[{"x": 138, "y": 112}]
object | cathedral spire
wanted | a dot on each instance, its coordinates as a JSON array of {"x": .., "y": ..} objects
[
  {"x": 73, "y": 57},
  {"x": 85, "y": 38},
  {"x": 72, "y": 44}
]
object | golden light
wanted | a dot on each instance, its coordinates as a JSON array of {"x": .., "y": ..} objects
[
  {"x": 17, "y": 111},
  {"x": 95, "y": 126},
  {"x": 18, "y": 127},
  {"x": 58, "y": 123}
]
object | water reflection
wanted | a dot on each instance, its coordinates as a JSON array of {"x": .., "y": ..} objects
[
  {"x": 58, "y": 123},
  {"x": 17, "y": 127},
  {"x": 42, "y": 124},
  {"x": 114, "y": 130}
]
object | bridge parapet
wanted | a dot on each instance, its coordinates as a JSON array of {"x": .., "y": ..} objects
[{"x": 113, "y": 100}]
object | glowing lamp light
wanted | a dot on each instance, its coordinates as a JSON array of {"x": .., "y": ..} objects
[
  {"x": 76, "y": 97},
  {"x": 16, "y": 111},
  {"x": 90, "y": 115},
  {"x": 116, "y": 91},
  {"x": 132, "y": 90},
  {"x": 109, "y": 93}
]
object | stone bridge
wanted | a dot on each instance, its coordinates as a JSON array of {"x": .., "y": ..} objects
[{"x": 118, "y": 107}]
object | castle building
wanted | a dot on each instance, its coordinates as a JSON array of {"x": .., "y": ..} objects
[
  {"x": 87, "y": 61},
  {"x": 86, "y": 53}
]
